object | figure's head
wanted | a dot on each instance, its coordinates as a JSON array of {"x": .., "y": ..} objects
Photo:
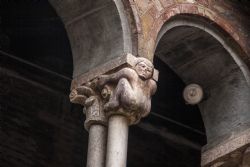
[{"x": 144, "y": 68}]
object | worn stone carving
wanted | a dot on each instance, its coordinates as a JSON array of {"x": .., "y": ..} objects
[
  {"x": 128, "y": 91},
  {"x": 193, "y": 94},
  {"x": 87, "y": 96}
]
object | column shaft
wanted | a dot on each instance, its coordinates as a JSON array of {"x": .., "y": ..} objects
[
  {"x": 96, "y": 146},
  {"x": 117, "y": 141}
]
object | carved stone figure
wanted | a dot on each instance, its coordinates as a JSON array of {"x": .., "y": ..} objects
[{"x": 133, "y": 88}]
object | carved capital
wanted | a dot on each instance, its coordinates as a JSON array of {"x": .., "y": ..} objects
[
  {"x": 128, "y": 90},
  {"x": 87, "y": 96},
  {"x": 121, "y": 86}
]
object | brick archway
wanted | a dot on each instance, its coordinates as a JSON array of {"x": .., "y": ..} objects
[
  {"x": 152, "y": 17},
  {"x": 233, "y": 54}
]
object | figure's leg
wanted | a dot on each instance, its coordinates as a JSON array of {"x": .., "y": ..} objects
[
  {"x": 127, "y": 96},
  {"x": 121, "y": 89}
]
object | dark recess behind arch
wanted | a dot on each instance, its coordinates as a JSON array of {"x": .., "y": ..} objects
[{"x": 31, "y": 30}]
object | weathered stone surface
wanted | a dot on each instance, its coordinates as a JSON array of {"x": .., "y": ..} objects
[
  {"x": 90, "y": 98},
  {"x": 94, "y": 42}
]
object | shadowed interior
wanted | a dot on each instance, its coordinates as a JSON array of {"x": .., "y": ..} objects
[{"x": 197, "y": 57}]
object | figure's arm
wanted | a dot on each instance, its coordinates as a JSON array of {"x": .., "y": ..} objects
[
  {"x": 127, "y": 73},
  {"x": 153, "y": 86}
]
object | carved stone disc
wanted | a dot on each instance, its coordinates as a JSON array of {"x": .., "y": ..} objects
[{"x": 193, "y": 94}]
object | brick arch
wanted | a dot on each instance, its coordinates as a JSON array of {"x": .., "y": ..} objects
[
  {"x": 153, "y": 19},
  {"x": 206, "y": 25},
  {"x": 205, "y": 74},
  {"x": 232, "y": 35}
]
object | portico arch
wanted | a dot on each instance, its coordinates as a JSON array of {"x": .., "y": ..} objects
[
  {"x": 98, "y": 31},
  {"x": 198, "y": 51}
]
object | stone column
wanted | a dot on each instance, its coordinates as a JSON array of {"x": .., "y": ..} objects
[
  {"x": 129, "y": 99},
  {"x": 95, "y": 122},
  {"x": 120, "y": 91},
  {"x": 117, "y": 141}
]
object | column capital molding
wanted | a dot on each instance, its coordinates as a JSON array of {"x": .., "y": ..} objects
[
  {"x": 88, "y": 96},
  {"x": 125, "y": 60},
  {"x": 121, "y": 86}
]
